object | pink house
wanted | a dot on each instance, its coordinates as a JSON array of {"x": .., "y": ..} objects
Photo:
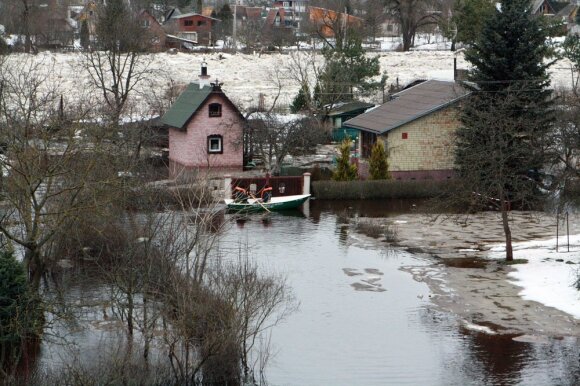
[{"x": 205, "y": 131}]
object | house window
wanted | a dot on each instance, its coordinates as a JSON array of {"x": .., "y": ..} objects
[
  {"x": 145, "y": 23},
  {"x": 200, "y": 23},
  {"x": 191, "y": 36},
  {"x": 215, "y": 144},
  {"x": 188, "y": 23},
  {"x": 215, "y": 110},
  {"x": 405, "y": 136}
]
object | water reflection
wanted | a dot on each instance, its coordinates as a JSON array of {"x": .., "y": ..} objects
[
  {"x": 496, "y": 358},
  {"x": 362, "y": 321}
]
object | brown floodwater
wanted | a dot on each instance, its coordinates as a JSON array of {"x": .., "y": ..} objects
[{"x": 361, "y": 320}]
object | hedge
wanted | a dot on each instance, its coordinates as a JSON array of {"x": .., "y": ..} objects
[{"x": 374, "y": 189}]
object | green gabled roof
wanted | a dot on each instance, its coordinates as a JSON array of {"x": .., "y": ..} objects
[{"x": 186, "y": 105}]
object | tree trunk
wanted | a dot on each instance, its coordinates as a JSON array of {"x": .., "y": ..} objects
[
  {"x": 509, "y": 253},
  {"x": 33, "y": 266},
  {"x": 130, "y": 307}
]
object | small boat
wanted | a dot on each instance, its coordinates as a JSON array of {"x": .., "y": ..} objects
[{"x": 275, "y": 203}]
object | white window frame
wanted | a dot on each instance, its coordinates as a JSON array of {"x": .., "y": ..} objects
[{"x": 212, "y": 140}]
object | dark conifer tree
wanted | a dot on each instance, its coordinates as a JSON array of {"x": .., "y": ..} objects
[
  {"x": 85, "y": 39},
  {"x": 301, "y": 101},
  {"x": 506, "y": 121}
]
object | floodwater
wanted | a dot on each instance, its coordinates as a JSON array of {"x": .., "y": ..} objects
[{"x": 362, "y": 320}]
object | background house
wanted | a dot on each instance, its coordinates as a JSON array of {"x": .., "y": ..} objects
[
  {"x": 155, "y": 32},
  {"x": 326, "y": 21},
  {"x": 417, "y": 125},
  {"x": 342, "y": 112},
  {"x": 279, "y": 26},
  {"x": 205, "y": 131},
  {"x": 191, "y": 26}
]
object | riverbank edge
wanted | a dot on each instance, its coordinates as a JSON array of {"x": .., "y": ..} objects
[{"x": 484, "y": 296}]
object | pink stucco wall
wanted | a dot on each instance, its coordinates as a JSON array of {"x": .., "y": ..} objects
[{"x": 188, "y": 148}]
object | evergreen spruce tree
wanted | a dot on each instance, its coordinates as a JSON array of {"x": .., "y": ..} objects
[
  {"x": 20, "y": 313},
  {"x": 378, "y": 164},
  {"x": 317, "y": 96},
  {"x": 345, "y": 171},
  {"x": 302, "y": 100},
  {"x": 226, "y": 16},
  {"x": 348, "y": 72},
  {"x": 507, "y": 118},
  {"x": 84, "y": 34}
]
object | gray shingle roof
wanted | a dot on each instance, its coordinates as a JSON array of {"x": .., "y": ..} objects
[
  {"x": 408, "y": 105},
  {"x": 347, "y": 107},
  {"x": 186, "y": 105}
]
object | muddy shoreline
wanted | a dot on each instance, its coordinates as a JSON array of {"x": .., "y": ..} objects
[{"x": 465, "y": 283}]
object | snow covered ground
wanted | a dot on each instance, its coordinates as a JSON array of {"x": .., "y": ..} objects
[
  {"x": 246, "y": 76},
  {"x": 549, "y": 275}
]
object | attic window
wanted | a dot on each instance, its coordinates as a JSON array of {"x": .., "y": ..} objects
[
  {"x": 215, "y": 110},
  {"x": 188, "y": 23},
  {"x": 200, "y": 23},
  {"x": 405, "y": 136},
  {"x": 215, "y": 144}
]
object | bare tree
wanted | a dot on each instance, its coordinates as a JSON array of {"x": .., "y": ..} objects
[
  {"x": 567, "y": 138},
  {"x": 413, "y": 15},
  {"x": 120, "y": 63},
  {"x": 498, "y": 153},
  {"x": 45, "y": 159},
  {"x": 275, "y": 136},
  {"x": 330, "y": 22},
  {"x": 374, "y": 15},
  {"x": 250, "y": 34},
  {"x": 260, "y": 301}
]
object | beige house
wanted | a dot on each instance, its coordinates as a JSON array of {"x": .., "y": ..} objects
[{"x": 417, "y": 126}]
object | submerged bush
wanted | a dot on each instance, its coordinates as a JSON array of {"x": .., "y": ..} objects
[{"x": 21, "y": 317}]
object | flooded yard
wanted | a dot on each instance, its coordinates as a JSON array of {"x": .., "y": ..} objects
[
  {"x": 364, "y": 321},
  {"x": 362, "y": 318}
]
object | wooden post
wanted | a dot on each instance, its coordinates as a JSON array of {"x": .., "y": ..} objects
[
  {"x": 306, "y": 183},
  {"x": 557, "y": 228},
  {"x": 568, "y": 232},
  {"x": 227, "y": 186}
]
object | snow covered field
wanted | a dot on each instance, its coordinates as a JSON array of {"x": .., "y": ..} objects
[
  {"x": 548, "y": 277},
  {"x": 246, "y": 76}
]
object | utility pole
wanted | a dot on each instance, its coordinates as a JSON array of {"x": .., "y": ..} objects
[
  {"x": 235, "y": 26},
  {"x": 345, "y": 23}
]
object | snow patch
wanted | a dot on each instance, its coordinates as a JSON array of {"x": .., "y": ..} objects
[
  {"x": 549, "y": 275},
  {"x": 478, "y": 328}
]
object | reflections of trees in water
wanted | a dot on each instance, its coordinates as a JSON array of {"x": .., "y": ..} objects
[
  {"x": 367, "y": 208},
  {"x": 476, "y": 358},
  {"x": 467, "y": 357}
]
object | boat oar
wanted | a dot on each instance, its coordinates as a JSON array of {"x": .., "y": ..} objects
[{"x": 259, "y": 202}]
